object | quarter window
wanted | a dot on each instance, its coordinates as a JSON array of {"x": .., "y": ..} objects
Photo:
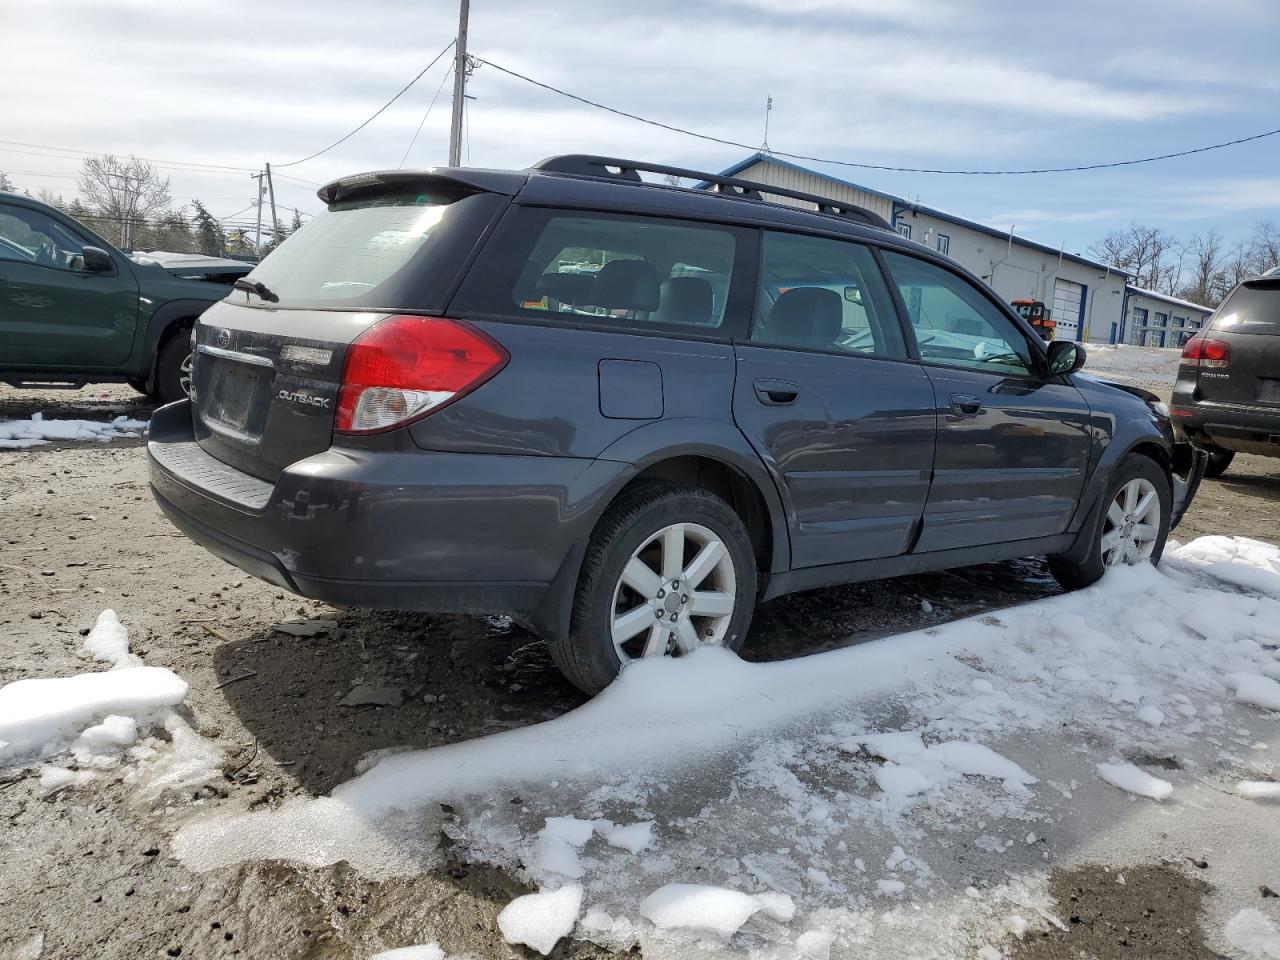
[
  {"x": 634, "y": 272},
  {"x": 29, "y": 236},
  {"x": 827, "y": 295},
  {"x": 953, "y": 322}
]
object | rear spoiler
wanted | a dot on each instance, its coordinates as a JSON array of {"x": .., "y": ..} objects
[{"x": 505, "y": 182}]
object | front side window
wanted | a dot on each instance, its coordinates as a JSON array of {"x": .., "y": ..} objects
[
  {"x": 616, "y": 271},
  {"x": 29, "y": 236},
  {"x": 954, "y": 323},
  {"x": 827, "y": 295}
]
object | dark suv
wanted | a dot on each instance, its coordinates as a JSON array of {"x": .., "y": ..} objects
[
  {"x": 625, "y": 412},
  {"x": 1227, "y": 396}
]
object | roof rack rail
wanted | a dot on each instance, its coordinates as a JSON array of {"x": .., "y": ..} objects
[{"x": 615, "y": 168}]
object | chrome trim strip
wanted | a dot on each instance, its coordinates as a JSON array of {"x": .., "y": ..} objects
[{"x": 252, "y": 358}]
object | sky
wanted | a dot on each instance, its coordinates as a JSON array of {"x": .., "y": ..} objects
[{"x": 982, "y": 84}]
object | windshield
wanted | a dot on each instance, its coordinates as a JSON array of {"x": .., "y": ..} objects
[
  {"x": 1251, "y": 308},
  {"x": 374, "y": 251}
]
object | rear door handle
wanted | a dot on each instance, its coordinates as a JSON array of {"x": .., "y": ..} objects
[
  {"x": 776, "y": 393},
  {"x": 965, "y": 404}
]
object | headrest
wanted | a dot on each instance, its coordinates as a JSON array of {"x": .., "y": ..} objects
[
  {"x": 685, "y": 300},
  {"x": 625, "y": 285},
  {"x": 809, "y": 316},
  {"x": 566, "y": 287}
]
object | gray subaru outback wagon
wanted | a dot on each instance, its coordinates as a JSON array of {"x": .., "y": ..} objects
[{"x": 625, "y": 412}]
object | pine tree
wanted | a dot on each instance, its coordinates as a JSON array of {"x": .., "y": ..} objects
[{"x": 208, "y": 231}]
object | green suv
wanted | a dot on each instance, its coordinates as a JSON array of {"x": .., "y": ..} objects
[{"x": 75, "y": 310}]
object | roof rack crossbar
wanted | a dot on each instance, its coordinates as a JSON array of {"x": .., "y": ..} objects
[{"x": 615, "y": 168}]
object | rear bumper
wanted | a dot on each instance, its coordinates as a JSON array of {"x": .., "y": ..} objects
[
  {"x": 443, "y": 532},
  {"x": 1184, "y": 488},
  {"x": 1244, "y": 429}
]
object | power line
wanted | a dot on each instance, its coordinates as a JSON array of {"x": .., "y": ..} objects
[
  {"x": 876, "y": 166},
  {"x": 376, "y": 113},
  {"x": 422, "y": 123},
  {"x": 95, "y": 153}
]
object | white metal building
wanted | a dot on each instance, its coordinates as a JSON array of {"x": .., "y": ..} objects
[
  {"x": 1084, "y": 297},
  {"x": 1157, "y": 320}
]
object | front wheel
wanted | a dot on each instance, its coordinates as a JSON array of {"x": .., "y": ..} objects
[
  {"x": 669, "y": 569},
  {"x": 1133, "y": 528}
]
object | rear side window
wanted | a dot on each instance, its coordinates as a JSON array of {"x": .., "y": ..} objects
[
  {"x": 401, "y": 250},
  {"x": 827, "y": 295},
  {"x": 607, "y": 270},
  {"x": 1251, "y": 308}
]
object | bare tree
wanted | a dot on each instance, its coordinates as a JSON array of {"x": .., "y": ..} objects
[
  {"x": 123, "y": 194},
  {"x": 1264, "y": 247},
  {"x": 1207, "y": 261},
  {"x": 1141, "y": 251},
  {"x": 6, "y": 184}
]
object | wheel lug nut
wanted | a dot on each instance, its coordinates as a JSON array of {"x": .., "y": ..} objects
[
  {"x": 658, "y": 614},
  {"x": 675, "y": 584},
  {"x": 661, "y": 594},
  {"x": 684, "y": 598},
  {"x": 675, "y": 617}
]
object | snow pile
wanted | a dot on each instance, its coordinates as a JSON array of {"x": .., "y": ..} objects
[
  {"x": 1132, "y": 779},
  {"x": 1250, "y": 931},
  {"x": 540, "y": 920},
  {"x": 97, "y": 719},
  {"x": 1258, "y": 690},
  {"x": 18, "y": 434},
  {"x": 1249, "y": 564},
  {"x": 776, "y": 785}
]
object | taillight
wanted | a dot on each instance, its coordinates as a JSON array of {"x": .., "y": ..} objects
[
  {"x": 1204, "y": 352},
  {"x": 405, "y": 367}
]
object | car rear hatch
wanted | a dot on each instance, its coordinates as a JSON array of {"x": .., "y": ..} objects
[
  {"x": 269, "y": 359},
  {"x": 1237, "y": 359}
]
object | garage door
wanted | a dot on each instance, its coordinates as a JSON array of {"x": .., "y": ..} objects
[{"x": 1067, "y": 297}]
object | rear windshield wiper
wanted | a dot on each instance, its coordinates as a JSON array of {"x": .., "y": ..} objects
[{"x": 256, "y": 286}]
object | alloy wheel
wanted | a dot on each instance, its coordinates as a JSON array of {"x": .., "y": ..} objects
[
  {"x": 1132, "y": 524},
  {"x": 184, "y": 375},
  {"x": 677, "y": 592}
]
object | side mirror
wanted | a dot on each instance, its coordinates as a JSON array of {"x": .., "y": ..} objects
[
  {"x": 1065, "y": 356},
  {"x": 96, "y": 260}
]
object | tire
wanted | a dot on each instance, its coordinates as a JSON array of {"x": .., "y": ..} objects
[
  {"x": 173, "y": 368},
  {"x": 637, "y": 529},
  {"x": 1219, "y": 460},
  {"x": 139, "y": 385},
  {"x": 1138, "y": 473}
]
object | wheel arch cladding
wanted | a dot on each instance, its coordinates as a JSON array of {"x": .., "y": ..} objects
[
  {"x": 694, "y": 453},
  {"x": 166, "y": 322}
]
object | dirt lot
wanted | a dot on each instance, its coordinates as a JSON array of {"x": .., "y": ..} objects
[{"x": 90, "y": 874}]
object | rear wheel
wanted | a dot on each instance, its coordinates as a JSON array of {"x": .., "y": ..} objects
[
  {"x": 1219, "y": 460},
  {"x": 139, "y": 385},
  {"x": 1132, "y": 529},
  {"x": 173, "y": 369},
  {"x": 669, "y": 569}
]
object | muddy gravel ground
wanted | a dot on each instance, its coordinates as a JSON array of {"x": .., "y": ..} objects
[{"x": 89, "y": 874}]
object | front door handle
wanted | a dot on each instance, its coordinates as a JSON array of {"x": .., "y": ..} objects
[
  {"x": 776, "y": 393},
  {"x": 965, "y": 404}
]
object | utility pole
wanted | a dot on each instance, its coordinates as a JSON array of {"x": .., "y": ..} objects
[
  {"x": 459, "y": 85},
  {"x": 275, "y": 221},
  {"x": 257, "y": 236}
]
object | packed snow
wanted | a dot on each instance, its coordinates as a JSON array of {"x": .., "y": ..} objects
[
  {"x": 1153, "y": 368},
  {"x": 819, "y": 803},
  {"x": 103, "y": 720},
  {"x": 1258, "y": 790},
  {"x": 422, "y": 951},
  {"x": 1252, "y": 933},
  {"x": 19, "y": 434},
  {"x": 540, "y": 920},
  {"x": 1133, "y": 779}
]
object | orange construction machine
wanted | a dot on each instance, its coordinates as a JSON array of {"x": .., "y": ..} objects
[{"x": 1035, "y": 313}]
